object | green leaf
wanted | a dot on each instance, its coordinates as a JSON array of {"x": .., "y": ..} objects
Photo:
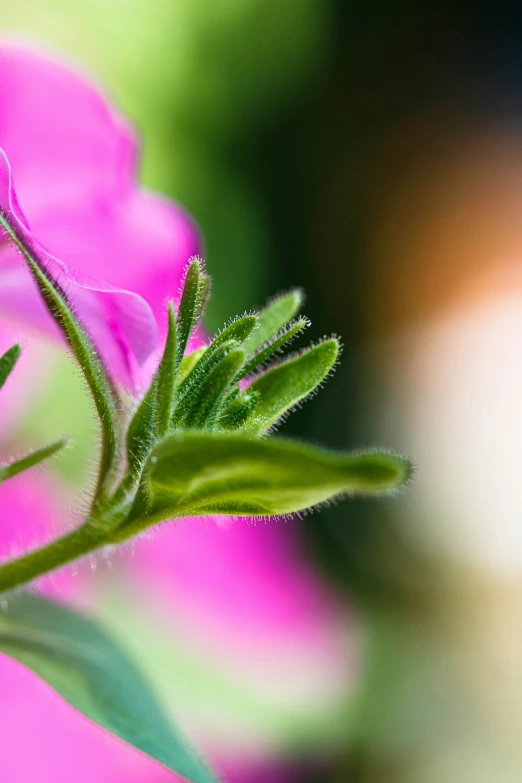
[
  {"x": 196, "y": 366},
  {"x": 197, "y": 371},
  {"x": 195, "y": 474},
  {"x": 238, "y": 330},
  {"x": 237, "y": 410},
  {"x": 275, "y": 345},
  {"x": 188, "y": 363},
  {"x": 188, "y": 388},
  {"x": 285, "y": 385},
  {"x": 273, "y": 317},
  {"x": 77, "y": 658},
  {"x": 8, "y": 361},
  {"x": 195, "y": 291},
  {"x": 83, "y": 350},
  {"x": 167, "y": 377},
  {"x": 140, "y": 434},
  {"x": 231, "y": 395},
  {"x": 31, "y": 460},
  {"x": 206, "y": 401}
]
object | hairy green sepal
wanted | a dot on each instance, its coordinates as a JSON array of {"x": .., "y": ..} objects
[
  {"x": 196, "y": 474},
  {"x": 195, "y": 290},
  {"x": 283, "y": 387},
  {"x": 8, "y": 361},
  {"x": 274, "y": 317}
]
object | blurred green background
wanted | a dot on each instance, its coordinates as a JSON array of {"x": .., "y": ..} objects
[{"x": 371, "y": 155}]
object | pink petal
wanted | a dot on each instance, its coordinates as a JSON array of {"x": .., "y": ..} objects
[
  {"x": 244, "y": 582},
  {"x": 120, "y": 322},
  {"x": 141, "y": 243},
  {"x": 74, "y": 162},
  {"x": 59, "y": 130},
  {"x": 20, "y": 389}
]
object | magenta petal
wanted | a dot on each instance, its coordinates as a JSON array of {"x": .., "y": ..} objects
[
  {"x": 56, "y": 128},
  {"x": 44, "y": 740},
  {"x": 120, "y": 322},
  {"x": 141, "y": 243},
  {"x": 245, "y": 582},
  {"x": 73, "y": 159}
]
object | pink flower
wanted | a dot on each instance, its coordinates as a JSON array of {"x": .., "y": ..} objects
[
  {"x": 240, "y": 597},
  {"x": 73, "y": 161}
]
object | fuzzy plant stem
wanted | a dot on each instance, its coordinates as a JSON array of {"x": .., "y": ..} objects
[{"x": 60, "y": 552}]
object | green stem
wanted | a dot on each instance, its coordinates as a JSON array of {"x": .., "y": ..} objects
[
  {"x": 66, "y": 549},
  {"x": 103, "y": 393}
]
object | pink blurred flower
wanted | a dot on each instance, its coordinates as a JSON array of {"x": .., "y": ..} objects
[
  {"x": 241, "y": 594},
  {"x": 73, "y": 161}
]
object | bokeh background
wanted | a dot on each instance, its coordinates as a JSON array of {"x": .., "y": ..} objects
[{"x": 371, "y": 154}]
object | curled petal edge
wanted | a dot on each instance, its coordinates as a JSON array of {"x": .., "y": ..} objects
[{"x": 120, "y": 322}]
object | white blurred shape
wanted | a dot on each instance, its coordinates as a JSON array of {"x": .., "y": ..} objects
[{"x": 460, "y": 401}]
